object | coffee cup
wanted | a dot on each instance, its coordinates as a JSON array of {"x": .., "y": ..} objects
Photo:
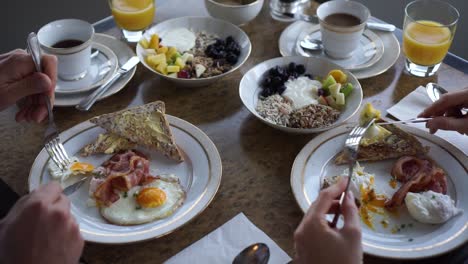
[
  {"x": 341, "y": 25},
  {"x": 70, "y": 41}
]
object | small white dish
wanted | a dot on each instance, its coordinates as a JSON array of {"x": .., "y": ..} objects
[
  {"x": 102, "y": 67},
  {"x": 287, "y": 47},
  {"x": 200, "y": 176},
  {"x": 237, "y": 14},
  {"x": 368, "y": 52},
  {"x": 123, "y": 53},
  {"x": 210, "y": 25},
  {"x": 249, "y": 89},
  {"x": 316, "y": 160}
]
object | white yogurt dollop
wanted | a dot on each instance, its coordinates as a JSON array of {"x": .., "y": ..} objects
[
  {"x": 302, "y": 91},
  {"x": 180, "y": 38},
  {"x": 431, "y": 207}
]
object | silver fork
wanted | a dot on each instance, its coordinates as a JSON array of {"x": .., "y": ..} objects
[
  {"x": 52, "y": 142},
  {"x": 351, "y": 147}
]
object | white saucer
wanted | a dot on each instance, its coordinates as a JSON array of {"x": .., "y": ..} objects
[
  {"x": 123, "y": 53},
  {"x": 288, "y": 38},
  {"x": 369, "y": 51},
  {"x": 102, "y": 67}
]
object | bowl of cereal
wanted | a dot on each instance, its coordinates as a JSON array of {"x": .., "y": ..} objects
[
  {"x": 194, "y": 51},
  {"x": 301, "y": 95}
]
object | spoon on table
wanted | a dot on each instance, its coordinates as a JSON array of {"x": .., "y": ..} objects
[
  {"x": 258, "y": 253},
  {"x": 434, "y": 91}
]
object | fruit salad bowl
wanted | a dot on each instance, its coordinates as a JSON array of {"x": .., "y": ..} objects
[
  {"x": 176, "y": 65},
  {"x": 255, "y": 89}
]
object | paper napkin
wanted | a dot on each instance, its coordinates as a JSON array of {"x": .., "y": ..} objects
[
  {"x": 223, "y": 244},
  {"x": 415, "y": 103}
]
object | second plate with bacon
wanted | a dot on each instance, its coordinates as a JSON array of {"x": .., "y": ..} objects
[{"x": 410, "y": 187}]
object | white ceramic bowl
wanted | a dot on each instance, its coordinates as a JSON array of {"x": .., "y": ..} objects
[
  {"x": 210, "y": 25},
  {"x": 250, "y": 89},
  {"x": 236, "y": 14}
]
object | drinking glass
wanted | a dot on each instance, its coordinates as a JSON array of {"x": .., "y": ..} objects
[
  {"x": 428, "y": 31},
  {"x": 133, "y": 16}
]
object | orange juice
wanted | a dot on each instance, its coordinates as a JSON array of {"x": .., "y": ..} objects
[
  {"x": 426, "y": 42},
  {"x": 133, "y": 15}
]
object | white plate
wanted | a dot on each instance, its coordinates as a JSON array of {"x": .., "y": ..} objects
[
  {"x": 102, "y": 67},
  {"x": 123, "y": 53},
  {"x": 210, "y": 25},
  {"x": 421, "y": 240},
  {"x": 287, "y": 47},
  {"x": 249, "y": 89},
  {"x": 199, "y": 174},
  {"x": 369, "y": 51}
]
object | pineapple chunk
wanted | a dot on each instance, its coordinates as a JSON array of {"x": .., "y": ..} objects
[
  {"x": 171, "y": 51},
  {"x": 162, "y": 68},
  {"x": 155, "y": 60},
  {"x": 179, "y": 62},
  {"x": 340, "y": 98},
  {"x": 173, "y": 75},
  {"x": 162, "y": 50},
  {"x": 154, "y": 42},
  {"x": 144, "y": 43},
  {"x": 172, "y": 69}
]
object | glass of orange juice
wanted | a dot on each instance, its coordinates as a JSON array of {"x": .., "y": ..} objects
[
  {"x": 133, "y": 16},
  {"x": 428, "y": 32}
]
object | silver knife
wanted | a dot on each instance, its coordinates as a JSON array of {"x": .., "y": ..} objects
[
  {"x": 75, "y": 186},
  {"x": 315, "y": 20},
  {"x": 88, "y": 102}
]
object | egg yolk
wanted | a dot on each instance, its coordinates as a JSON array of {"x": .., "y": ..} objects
[
  {"x": 151, "y": 197},
  {"x": 81, "y": 166}
]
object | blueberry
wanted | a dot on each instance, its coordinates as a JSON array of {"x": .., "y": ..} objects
[
  {"x": 266, "y": 82},
  {"x": 221, "y": 54},
  {"x": 276, "y": 81},
  {"x": 294, "y": 75},
  {"x": 320, "y": 92},
  {"x": 300, "y": 69},
  {"x": 231, "y": 58},
  {"x": 220, "y": 42},
  {"x": 230, "y": 39},
  {"x": 292, "y": 67},
  {"x": 309, "y": 76},
  {"x": 281, "y": 89}
]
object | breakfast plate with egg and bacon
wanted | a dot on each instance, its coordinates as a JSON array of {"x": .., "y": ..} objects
[
  {"x": 409, "y": 186},
  {"x": 148, "y": 174}
]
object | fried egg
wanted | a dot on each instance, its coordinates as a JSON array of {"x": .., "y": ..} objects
[
  {"x": 75, "y": 168},
  {"x": 431, "y": 207},
  {"x": 142, "y": 204}
]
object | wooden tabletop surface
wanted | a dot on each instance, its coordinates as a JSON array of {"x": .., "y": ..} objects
[{"x": 257, "y": 159}]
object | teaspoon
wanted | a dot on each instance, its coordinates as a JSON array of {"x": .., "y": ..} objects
[{"x": 258, "y": 253}]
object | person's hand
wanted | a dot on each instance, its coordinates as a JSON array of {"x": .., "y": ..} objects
[
  {"x": 40, "y": 229},
  {"x": 317, "y": 242},
  {"x": 19, "y": 79},
  {"x": 446, "y": 113}
]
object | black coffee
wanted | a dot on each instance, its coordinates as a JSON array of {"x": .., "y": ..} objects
[
  {"x": 67, "y": 43},
  {"x": 342, "y": 20}
]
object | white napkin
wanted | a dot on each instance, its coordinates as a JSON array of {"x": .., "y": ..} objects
[
  {"x": 415, "y": 103},
  {"x": 223, "y": 244}
]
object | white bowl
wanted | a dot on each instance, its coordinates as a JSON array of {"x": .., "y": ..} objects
[
  {"x": 249, "y": 89},
  {"x": 210, "y": 25},
  {"x": 236, "y": 14}
]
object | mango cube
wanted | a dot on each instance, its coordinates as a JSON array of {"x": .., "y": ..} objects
[
  {"x": 154, "y": 42},
  {"x": 171, "y": 69}
]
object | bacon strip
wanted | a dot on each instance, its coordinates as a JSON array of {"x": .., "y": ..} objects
[
  {"x": 417, "y": 175},
  {"x": 123, "y": 171}
]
